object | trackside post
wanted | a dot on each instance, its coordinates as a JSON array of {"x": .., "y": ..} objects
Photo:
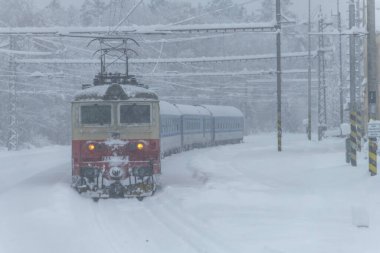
[
  {"x": 353, "y": 139},
  {"x": 372, "y": 84},
  {"x": 373, "y": 134},
  {"x": 373, "y": 157},
  {"x": 359, "y": 130}
]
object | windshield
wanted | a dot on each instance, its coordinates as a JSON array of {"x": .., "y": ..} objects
[
  {"x": 96, "y": 114},
  {"x": 135, "y": 114}
]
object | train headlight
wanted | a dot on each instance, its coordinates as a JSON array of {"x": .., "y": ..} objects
[
  {"x": 140, "y": 146},
  {"x": 91, "y": 147}
]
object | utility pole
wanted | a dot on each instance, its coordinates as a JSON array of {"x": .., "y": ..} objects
[
  {"x": 322, "y": 113},
  {"x": 372, "y": 81},
  {"x": 309, "y": 78},
  {"x": 359, "y": 78},
  {"x": 278, "y": 44},
  {"x": 353, "y": 135},
  {"x": 13, "y": 131},
  {"x": 246, "y": 108},
  {"x": 339, "y": 17}
]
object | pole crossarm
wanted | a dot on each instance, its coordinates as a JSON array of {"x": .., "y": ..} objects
[
  {"x": 169, "y": 60},
  {"x": 356, "y": 32},
  {"x": 100, "y": 32},
  {"x": 25, "y": 53},
  {"x": 217, "y": 74},
  {"x": 224, "y": 28}
]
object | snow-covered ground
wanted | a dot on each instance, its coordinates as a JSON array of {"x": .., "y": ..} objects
[{"x": 237, "y": 198}]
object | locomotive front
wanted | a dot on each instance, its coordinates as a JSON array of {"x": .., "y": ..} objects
[{"x": 115, "y": 141}]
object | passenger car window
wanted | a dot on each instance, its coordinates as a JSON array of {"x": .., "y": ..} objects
[
  {"x": 95, "y": 114},
  {"x": 135, "y": 114}
]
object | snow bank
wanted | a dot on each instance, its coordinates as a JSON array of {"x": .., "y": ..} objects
[{"x": 239, "y": 198}]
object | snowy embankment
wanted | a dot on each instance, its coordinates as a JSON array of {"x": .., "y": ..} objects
[{"x": 237, "y": 198}]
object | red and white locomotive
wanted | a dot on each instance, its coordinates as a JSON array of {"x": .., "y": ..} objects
[
  {"x": 121, "y": 130},
  {"x": 115, "y": 139}
]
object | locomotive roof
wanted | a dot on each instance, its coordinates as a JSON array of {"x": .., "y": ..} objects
[
  {"x": 192, "y": 110},
  {"x": 224, "y": 111},
  {"x": 114, "y": 92},
  {"x": 168, "y": 109}
]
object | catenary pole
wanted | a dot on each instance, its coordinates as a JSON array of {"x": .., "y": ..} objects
[
  {"x": 13, "y": 129},
  {"x": 359, "y": 77},
  {"x": 278, "y": 44},
  {"x": 339, "y": 17},
  {"x": 309, "y": 78},
  {"x": 353, "y": 134},
  {"x": 321, "y": 81},
  {"x": 372, "y": 81}
]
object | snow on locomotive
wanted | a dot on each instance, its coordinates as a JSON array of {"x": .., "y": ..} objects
[
  {"x": 115, "y": 139},
  {"x": 121, "y": 130}
]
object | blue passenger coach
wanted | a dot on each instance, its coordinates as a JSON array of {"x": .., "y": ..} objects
[{"x": 184, "y": 127}]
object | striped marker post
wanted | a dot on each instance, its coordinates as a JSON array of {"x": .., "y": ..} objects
[
  {"x": 372, "y": 156},
  {"x": 359, "y": 126},
  {"x": 353, "y": 138},
  {"x": 373, "y": 134}
]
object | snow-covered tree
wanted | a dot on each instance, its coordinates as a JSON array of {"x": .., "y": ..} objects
[
  {"x": 226, "y": 11},
  {"x": 267, "y": 12},
  {"x": 72, "y": 16},
  {"x": 92, "y": 12},
  {"x": 171, "y": 12},
  {"x": 54, "y": 14},
  {"x": 18, "y": 13}
]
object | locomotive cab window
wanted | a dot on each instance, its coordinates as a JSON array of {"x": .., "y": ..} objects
[
  {"x": 95, "y": 114},
  {"x": 135, "y": 114}
]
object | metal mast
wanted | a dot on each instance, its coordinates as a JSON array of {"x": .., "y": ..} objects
[
  {"x": 372, "y": 80},
  {"x": 322, "y": 113},
  {"x": 13, "y": 133},
  {"x": 340, "y": 65},
  {"x": 353, "y": 136},
  {"x": 278, "y": 44},
  {"x": 309, "y": 78},
  {"x": 359, "y": 77}
]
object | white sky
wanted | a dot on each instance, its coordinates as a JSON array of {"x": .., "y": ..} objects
[{"x": 299, "y": 6}]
